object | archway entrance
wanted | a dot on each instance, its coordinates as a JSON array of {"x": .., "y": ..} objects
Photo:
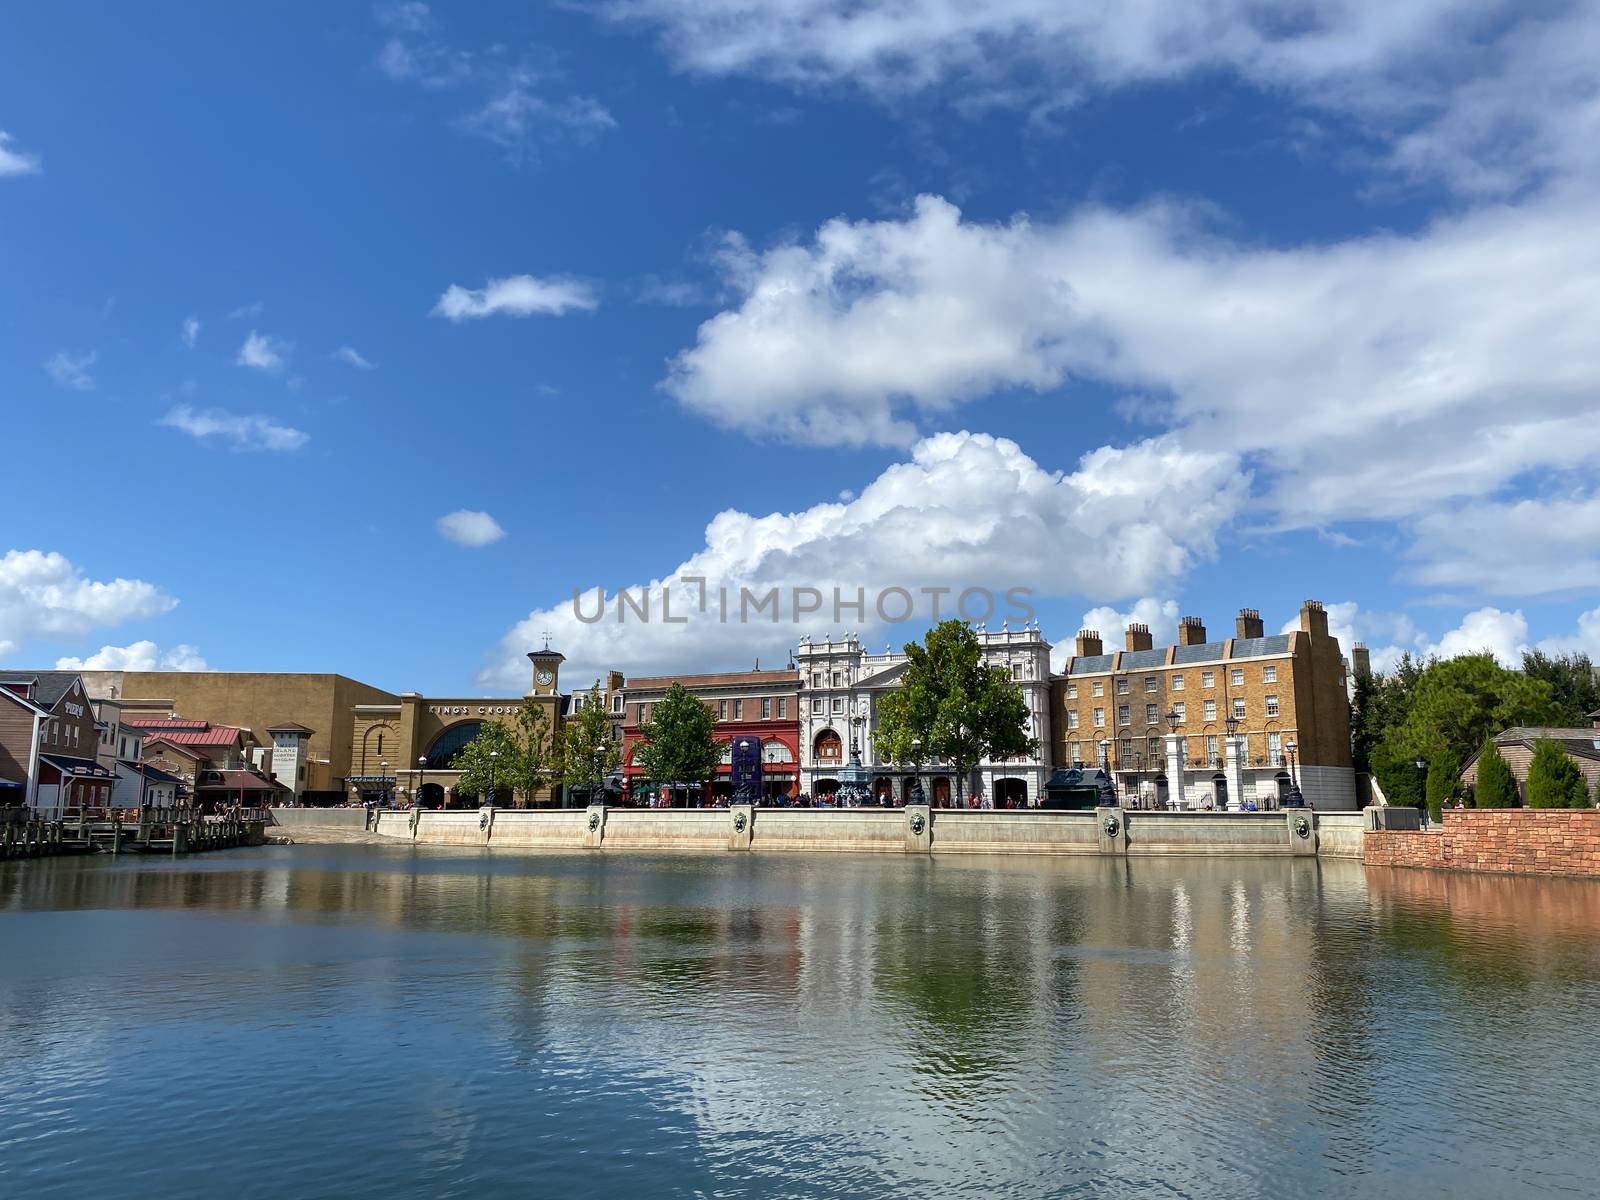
[
  {"x": 941, "y": 791},
  {"x": 1011, "y": 793},
  {"x": 1163, "y": 797},
  {"x": 883, "y": 791},
  {"x": 826, "y": 789},
  {"x": 906, "y": 788},
  {"x": 431, "y": 795},
  {"x": 1219, "y": 791}
]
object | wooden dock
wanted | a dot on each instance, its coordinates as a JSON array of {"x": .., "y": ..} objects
[{"x": 128, "y": 831}]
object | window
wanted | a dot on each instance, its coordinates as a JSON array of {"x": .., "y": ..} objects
[
  {"x": 1211, "y": 710},
  {"x": 1151, "y": 683},
  {"x": 1208, "y": 679},
  {"x": 1123, "y": 716},
  {"x": 838, "y": 704},
  {"x": 816, "y": 706},
  {"x": 1125, "y": 753},
  {"x": 835, "y": 679},
  {"x": 722, "y": 710},
  {"x": 828, "y": 746},
  {"x": 1183, "y": 749},
  {"x": 1269, "y": 674},
  {"x": 449, "y": 744},
  {"x": 1099, "y": 687},
  {"x": 1016, "y": 670},
  {"x": 1155, "y": 750},
  {"x": 380, "y": 743},
  {"x": 52, "y": 736},
  {"x": 1122, "y": 685},
  {"x": 1177, "y": 683},
  {"x": 738, "y": 710},
  {"x": 1275, "y": 747},
  {"x": 616, "y": 703},
  {"x": 1072, "y": 719},
  {"x": 1211, "y": 747},
  {"x": 1238, "y": 708},
  {"x": 1099, "y": 716},
  {"x": 1237, "y": 678},
  {"x": 644, "y": 714},
  {"x": 783, "y": 707},
  {"x": 1151, "y": 714},
  {"x": 1272, "y": 706},
  {"x": 766, "y": 709},
  {"x": 816, "y": 679},
  {"x": 1179, "y": 710},
  {"x": 1072, "y": 691},
  {"x": 1077, "y": 752}
]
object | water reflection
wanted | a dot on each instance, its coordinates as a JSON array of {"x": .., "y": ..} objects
[{"x": 819, "y": 1025}]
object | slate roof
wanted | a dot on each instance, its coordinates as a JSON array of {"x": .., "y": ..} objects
[
  {"x": 75, "y": 766},
  {"x": 1261, "y": 646},
  {"x": 1089, "y": 664},
  {"x": 1204, "y": 652},
  {"x": 49, "y": 686},
  {"x": 1143, "y": 660}
]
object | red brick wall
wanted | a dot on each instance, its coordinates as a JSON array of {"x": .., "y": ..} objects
[{"x": 1512, "y": 841}]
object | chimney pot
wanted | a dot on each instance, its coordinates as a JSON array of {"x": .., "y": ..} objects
[
  {"x": 1250, "y": 624},
  {"x": 1139, "y": 637},
  {"x": 1191, "y": 631}
]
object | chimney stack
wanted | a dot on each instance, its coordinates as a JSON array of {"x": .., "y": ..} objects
[
  {"x": 1250, "y": 624},
  {"x": 1139, "y": 637},
  {"x": 1089, "y": 643},
  {"x": 1360, "y": 661},
  {"x": 1314, "y": 618},
  {"x": 1191, "y": 631}
]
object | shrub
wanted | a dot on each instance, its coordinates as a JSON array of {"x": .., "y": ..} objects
[
  {"x": 1443, "y": 781},
  {"x": 1497, "y": 787},
  {"x": 1554, "y": 780}
]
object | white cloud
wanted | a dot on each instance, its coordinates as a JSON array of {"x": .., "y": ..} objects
[
  {"x": 1585, "y": 639},
  {"x": 1160, "y": 615},
  {"x": 241, "y": 431},
  {"x": 263, "y": 352},
  {"x": 191, "y": 331},
  {"x": 138, "y": 656},
  {"x": 517, "y": 115},
  {"x": 253, "y": 309},
  {"x": 1512, "y": 547},
  {"x": 468, "y": 528},
  {"x": 71, "y": 371},
  {"x": 352, "y": 356},
  {"x": 517, "y": 296},
  {"x": 965, "y": 510},
  {"x": 1389, "y": 635},
  {"x": 1372, "y": 378},
  {"x": 1503, "y": 634},
  {"x": 43, "y": 595},
  {"x": 1488, "y": 94},
  {"x": 15, "y": 162}
]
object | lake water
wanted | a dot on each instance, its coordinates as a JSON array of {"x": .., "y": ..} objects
[{"x": 375, "y": 1021}]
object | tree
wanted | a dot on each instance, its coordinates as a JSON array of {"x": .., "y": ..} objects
[
  {"x": 1574, "y": 687},
  {"x": 1380, "y": 705},
  {"x": 538, "y": 751},
  {"x": 953, "y": 706},
  {"x": 589, "y": 752},
  {"x": 1457, "y": 703},
  {"x": 1496, "y": 787},
  {"x": 488, "y": 757},
  {"x": 679, "y": 744},
  {"x": 1554, "y": 780},
  {"x": 1444, "y": 775},
  {"x": 1397, "y": 775}
]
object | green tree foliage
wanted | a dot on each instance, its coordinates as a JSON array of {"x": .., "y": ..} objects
[
  {"x": 1496, "y": 786},
  {"x": 1574, "y": 687},
  {"x": 1444, "y": 779},
  {"x": 1554, "y": 780},
  {"x": 954, "y": 707},
  {"x": 491, "y": 755},
  {"x": 679, "y": 744},
  {"x": 1397, "y": 775},
  {"x": 1379, "y": 706},
  {"x": 1457, "y": 703},
  {"x": 589, "y": 752},
  {"x": 538, "y": 752}
]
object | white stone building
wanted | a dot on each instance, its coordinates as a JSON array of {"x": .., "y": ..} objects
[{"x": 841, "y": 685}]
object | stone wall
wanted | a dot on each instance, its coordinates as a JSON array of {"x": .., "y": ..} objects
[
  {"x": 1511, "y": 841},
  {"x": 319, "y": 818}
]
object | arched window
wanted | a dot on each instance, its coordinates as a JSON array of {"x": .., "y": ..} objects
[
  {"x": 448, "y": 745},
  {"x": 828, "y": 746},
  {"x": 380, "y": 743}
]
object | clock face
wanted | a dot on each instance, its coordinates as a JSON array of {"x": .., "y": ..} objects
[{"x": 544, "y": 677}]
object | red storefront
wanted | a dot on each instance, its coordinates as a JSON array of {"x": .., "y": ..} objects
[{"x": 749, "y": 705}]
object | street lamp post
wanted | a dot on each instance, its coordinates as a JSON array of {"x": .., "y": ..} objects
[
  {"x": 916, "y": 768},
  {"x": 1175, "y": 800},
  {"x": 383, "y": 783},
  {"x": 1108, "y": 787},
  {"x": 493, "y": 754},
  {"x": 1422, "y": 783},
  {"x": 422, "y": 776}
]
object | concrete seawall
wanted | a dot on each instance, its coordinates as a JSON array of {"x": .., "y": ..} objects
[
  {"x": 888, "y": 831},
  {"x": 319, "y": 818}
]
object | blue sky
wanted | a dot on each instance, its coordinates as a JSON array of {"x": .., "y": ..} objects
[{"x": 1148, "y": 312}]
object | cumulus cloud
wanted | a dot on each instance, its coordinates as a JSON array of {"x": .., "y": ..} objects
[
  {"x": 353, "y": 357},
  {"x": 1513, "y": 547},
  {"x": 191, "y": 331},
  {"x": 263, "y": 352},
  {"x": 239, "y": 431},
  {"x": 14, "y": 161},
  {"x": 466, "y": 527},
  {"x": 1502, "y": 634},
  {"x": 1487, "y": 95},
  {"x": 1160, "y": 615},
  {"x": 1369, "y": 378},
  {"x": 517, "y": 296},
  {"x": 43, "y": 595},
  {"x": 964, "y": 510},
  {"x": 1389, "y": 635},
  {"x": 138, "y": 656},
  {"x": 71, "y": 371},
  {"x": 1585, "y": 638}
]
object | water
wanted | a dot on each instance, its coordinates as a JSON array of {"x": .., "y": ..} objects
[{"x": 375, "y": 1021}]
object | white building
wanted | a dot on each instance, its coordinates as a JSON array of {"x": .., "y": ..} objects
[{"x": 841, "y": 686}]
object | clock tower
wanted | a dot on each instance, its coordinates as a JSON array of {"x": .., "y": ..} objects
[{"x": 546, "y": 671}]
